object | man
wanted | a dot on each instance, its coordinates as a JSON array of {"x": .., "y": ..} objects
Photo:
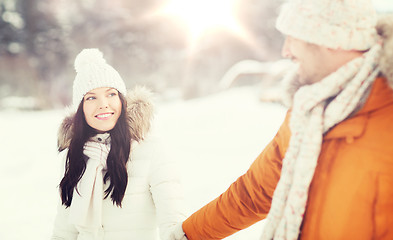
[{"x": 328, "y": 173}]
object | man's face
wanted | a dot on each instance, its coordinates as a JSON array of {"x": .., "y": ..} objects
[{"x": 313, "y": 60}]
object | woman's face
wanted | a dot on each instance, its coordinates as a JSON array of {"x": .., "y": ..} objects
[{"x": 102, "y": 108}]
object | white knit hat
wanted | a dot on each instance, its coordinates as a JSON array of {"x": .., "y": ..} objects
[
  {"x": 93, "y": 72},
  {"x": 336, "y": 24}
]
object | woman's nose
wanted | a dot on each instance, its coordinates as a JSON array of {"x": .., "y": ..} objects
[{"x": 103, "y": 103}]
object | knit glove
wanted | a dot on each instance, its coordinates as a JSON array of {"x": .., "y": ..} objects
[
  {"x": 178, "y": 233},
  {"x": 96, "y": 151}
]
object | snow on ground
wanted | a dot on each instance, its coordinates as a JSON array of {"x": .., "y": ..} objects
[{"x": 215, "y": 139}]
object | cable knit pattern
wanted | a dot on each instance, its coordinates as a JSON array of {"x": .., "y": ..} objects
[
  {"x": 313, "y": 115},
  {"x": 344, "y": 24},
  {"x": 92, "y": 72},
  {"x": 86, "y": 206},
  {"x": 153, "y": 205}
]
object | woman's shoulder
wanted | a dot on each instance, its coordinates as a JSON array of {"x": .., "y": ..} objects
[
  {"x": 147, "y": 156},
  {"x": 151, "y": 148}
]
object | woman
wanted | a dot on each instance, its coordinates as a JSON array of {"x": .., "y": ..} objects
[{"x": 117, "y": 183}]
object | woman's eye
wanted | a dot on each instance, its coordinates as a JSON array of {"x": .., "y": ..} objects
[
  {"x": 90, "y": 98},
  {"x": 112, "y": 94}
]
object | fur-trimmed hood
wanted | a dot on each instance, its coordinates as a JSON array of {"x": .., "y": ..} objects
[{"x": 139, "y": 115}]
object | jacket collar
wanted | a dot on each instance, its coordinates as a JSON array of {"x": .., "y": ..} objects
[{"x": 381, "y": 95}]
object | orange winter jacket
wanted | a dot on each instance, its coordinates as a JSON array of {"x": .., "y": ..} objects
[{"x": 351, "y": 194}]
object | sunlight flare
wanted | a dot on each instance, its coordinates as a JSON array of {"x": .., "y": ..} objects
[{"x": 203, "y": 15}]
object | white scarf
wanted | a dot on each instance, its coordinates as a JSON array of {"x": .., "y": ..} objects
[
  {"x": 313, "y": 114},
  {"x": 86, "y": 205}
]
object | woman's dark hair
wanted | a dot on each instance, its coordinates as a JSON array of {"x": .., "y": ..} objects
[{"x": 116, "y": 161}]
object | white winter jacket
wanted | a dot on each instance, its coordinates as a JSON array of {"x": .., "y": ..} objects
[{"x": 153, "y": 202}]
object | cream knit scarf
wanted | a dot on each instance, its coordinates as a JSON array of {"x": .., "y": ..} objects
[
  {"x": 86, "y": 205},
  {"x": 316, "y": 109}
]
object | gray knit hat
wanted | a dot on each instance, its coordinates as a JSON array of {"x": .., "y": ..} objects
[
  {"x": 93, "y": 72},
  {"x": 337, "y": 24}
]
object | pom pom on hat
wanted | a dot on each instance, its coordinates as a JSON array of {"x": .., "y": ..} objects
[
  {"x": 88, "y": 56},
  {"x": 93, "y": 72},
  {"x": 336, "y": 24}
]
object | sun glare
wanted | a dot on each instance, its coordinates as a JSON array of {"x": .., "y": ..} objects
[{"x": 203, "y": 15}]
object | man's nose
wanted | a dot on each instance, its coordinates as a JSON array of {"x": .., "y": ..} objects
[{"x": 285, "y": 51}]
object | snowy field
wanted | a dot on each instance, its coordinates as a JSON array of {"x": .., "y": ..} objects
[{"x": 215, "y": 138}]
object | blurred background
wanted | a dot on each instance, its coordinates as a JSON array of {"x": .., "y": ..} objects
[
  {"x": 214, "y": 65},
  {"x": 177, "y": 48}
]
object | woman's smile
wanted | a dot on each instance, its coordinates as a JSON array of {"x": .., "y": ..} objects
[{"x": 104, "y": 116}]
